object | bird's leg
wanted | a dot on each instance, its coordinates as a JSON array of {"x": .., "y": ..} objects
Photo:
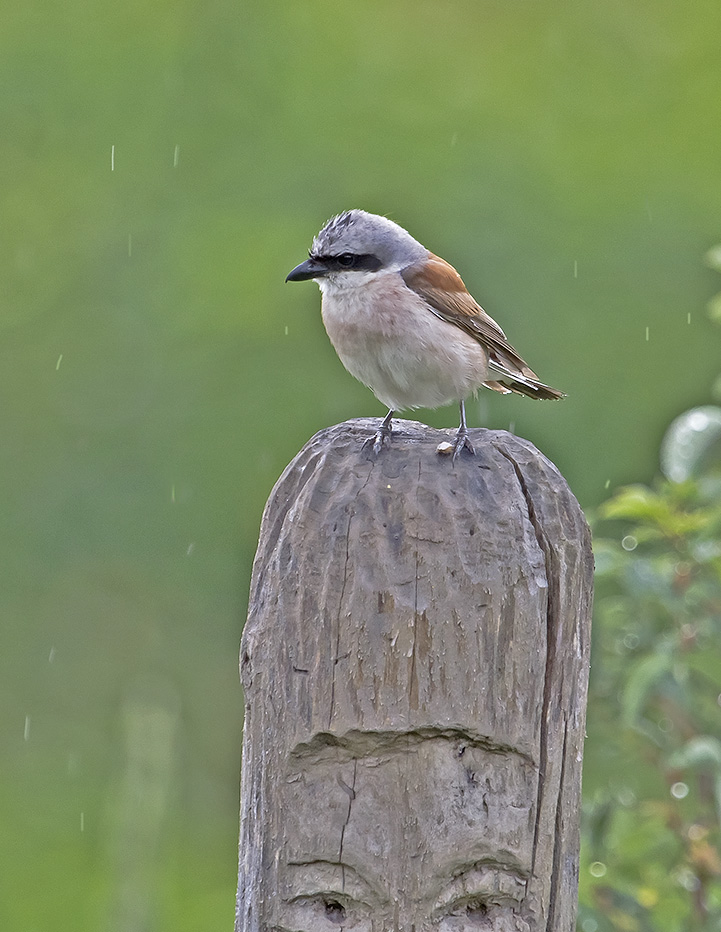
[
  {"x": 382, "y": 437},
  {"x": 462, "y": 439}
]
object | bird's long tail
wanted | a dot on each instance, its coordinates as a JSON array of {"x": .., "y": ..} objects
[{"x": 522, "y": 385}]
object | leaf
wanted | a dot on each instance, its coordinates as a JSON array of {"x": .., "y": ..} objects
[
  {"x": 634, "y": 501},
  {"x": 641, "y": 681},
  {"x": 653, "y": 511},
  {"x": 702, "y": 753},
  {"x": 703, "y": 750}
]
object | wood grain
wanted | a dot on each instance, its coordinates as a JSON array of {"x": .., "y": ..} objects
[{"x": 415, "y": 664}]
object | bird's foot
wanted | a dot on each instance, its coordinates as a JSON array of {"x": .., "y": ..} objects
[
  {"x": 380, "y": 439},
  {"x": 462, "y": 440}
]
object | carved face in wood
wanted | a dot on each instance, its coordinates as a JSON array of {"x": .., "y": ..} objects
[
  {"x": 414, "y": 666},
  {"x": 416, "y": 831}
]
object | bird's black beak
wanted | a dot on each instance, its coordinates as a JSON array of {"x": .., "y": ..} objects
[{"x": 311, "y": 268}]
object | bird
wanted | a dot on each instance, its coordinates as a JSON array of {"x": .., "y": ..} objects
[{"x": 404, "y": 324}]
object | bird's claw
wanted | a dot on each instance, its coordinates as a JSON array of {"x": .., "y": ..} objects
[
  {"x": 379, "y": 440},
  {"x": 462, "y": 440}
]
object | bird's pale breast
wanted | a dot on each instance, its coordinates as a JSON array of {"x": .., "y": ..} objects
[{"x": 388, "y": 338}]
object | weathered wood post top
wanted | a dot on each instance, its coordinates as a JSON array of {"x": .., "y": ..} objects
[{"x": 415, "y": 665}]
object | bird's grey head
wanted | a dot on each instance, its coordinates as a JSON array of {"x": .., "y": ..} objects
[{"x": 358, "y": 242}]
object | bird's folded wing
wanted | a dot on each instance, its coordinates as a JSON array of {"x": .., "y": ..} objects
[{"x": 438, "y": 283}]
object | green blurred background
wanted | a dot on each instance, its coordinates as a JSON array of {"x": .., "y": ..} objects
[{"x": 164, "y": 166}]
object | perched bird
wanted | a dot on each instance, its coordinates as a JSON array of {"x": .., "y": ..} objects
[{"x": 404, "y": 324}]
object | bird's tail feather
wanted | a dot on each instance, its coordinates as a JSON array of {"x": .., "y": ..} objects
[{"x": 523, "y": 385}]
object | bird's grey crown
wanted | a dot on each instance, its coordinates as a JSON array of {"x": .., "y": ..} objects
[{"x": 361, "y": 233}]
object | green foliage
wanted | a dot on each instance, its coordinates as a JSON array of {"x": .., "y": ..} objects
[{"x": 652, "y": 776}]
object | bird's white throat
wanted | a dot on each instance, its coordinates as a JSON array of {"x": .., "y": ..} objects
[{"x": 346, "y": 281}]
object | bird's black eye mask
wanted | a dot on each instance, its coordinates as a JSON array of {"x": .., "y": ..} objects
[{"x": 349, "y": 262}]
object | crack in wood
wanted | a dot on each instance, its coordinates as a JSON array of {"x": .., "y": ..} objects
[
  {"x": 556, "y": 874},
  {"x": 351, "y": 797},
  {"x": 351, "y": 515},
  {"x": 551, "y": 629}
]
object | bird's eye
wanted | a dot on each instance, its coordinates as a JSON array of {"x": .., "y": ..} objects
[{"x": 346, "y": 260}]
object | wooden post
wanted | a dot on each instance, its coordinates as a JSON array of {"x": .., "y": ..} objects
[{"x": 415, "y": 664}]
